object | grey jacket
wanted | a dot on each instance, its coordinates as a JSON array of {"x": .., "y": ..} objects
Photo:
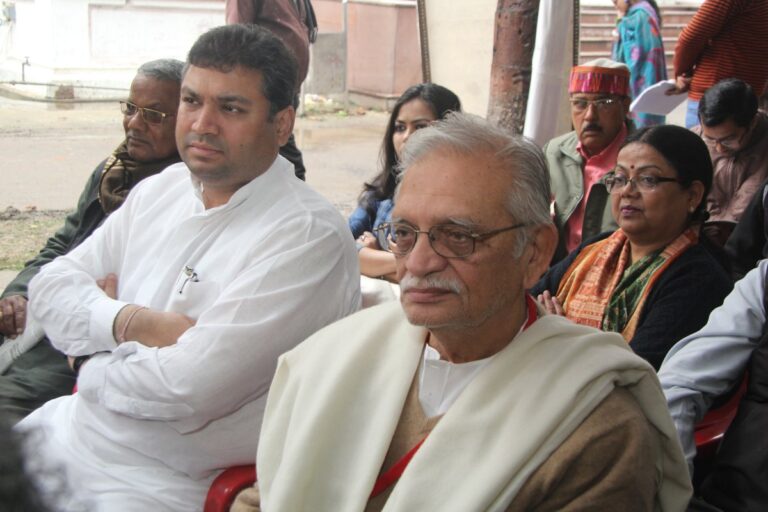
[{"x": 566, "y": 176}]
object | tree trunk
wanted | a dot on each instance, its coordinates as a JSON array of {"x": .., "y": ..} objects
[{"x": 513, "y": 42}]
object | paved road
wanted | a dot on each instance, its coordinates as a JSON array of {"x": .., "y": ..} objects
[{"x": 47, "y": 153}]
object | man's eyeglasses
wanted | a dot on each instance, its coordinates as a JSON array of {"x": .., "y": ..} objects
[
  {"x": 447, "y": 240},
  {"x": 731, "y": 142},
  {"x": 581, "y": 104},
  {"x": 644, "y": 182},
  {"x": 147, "y": 114}
]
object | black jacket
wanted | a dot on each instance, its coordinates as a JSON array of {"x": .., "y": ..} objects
[{"x": 679, "y": 303}]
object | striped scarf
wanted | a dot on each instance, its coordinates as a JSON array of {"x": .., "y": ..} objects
[
  {"x": 602, "y": 288},
  {"x": 121, "y": 173}
]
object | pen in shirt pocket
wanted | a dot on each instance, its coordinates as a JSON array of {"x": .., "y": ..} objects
[{"x": 191, "y": 275}]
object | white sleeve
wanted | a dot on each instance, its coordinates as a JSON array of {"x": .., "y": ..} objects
[
  {"x": 76, "y": 315},
  {"x": 712, "y": 361},
  {"x": 229, "y": 357}
]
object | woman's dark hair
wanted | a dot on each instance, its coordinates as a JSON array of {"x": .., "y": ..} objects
[
  {"x": 658, "y": 11},
  {"x": 685, "y": 152},
  {"x": 441, "y": 101},
  {"x": 728, "y": 99}
]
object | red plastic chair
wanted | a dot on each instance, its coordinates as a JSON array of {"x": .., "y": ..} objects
[
  {"x": 227, "y": 485},
  {"x": 710, "y": 430}
]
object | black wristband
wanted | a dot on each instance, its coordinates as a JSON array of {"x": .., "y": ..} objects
[{"x": 78, "y": 362}]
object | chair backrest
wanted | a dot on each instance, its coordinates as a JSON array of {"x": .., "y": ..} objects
[
  {"x": 226, "y": 487},
  {"x": 709, "y": 431}
]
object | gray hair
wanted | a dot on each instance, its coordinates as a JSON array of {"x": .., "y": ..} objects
[
  {"x": 529, "y": 193},
  {"x": 162, "y": 69}
]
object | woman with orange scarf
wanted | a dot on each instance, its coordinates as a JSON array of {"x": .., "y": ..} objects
[{"x": 655, "y": 279}]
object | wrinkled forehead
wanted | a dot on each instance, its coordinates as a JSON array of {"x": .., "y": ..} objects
[
  {"x": 154, "y": 93},
  {"x": 441, "y": 186}
]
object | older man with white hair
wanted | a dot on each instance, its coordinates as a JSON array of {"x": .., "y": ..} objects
[{"x": 466, "y": 396}]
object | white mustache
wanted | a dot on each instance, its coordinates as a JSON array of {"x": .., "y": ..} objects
[{"x": 409, "y": 282}]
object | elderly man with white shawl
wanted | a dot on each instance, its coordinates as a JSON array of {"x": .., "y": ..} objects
[{"x": 467, "y": 396}]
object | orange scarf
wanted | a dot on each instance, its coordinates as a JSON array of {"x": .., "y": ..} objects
[{"x": 589, "y": 283}]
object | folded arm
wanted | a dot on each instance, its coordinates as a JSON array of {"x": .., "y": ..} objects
[
  {"x": 228, "y": 357},
  {"x": 712, "y": 361},
  {"x": 375, "y": 262}
]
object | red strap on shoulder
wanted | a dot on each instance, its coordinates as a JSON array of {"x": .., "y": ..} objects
[
  {"x": 393, "y": 474},
  {"x": 533, "y": 312}
]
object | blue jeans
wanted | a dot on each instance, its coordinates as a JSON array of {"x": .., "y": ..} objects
[{"x": 692, "y": 114}]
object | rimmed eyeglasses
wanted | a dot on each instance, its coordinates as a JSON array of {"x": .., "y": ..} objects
[
  {"x": 582, "y": 104},
  {"x": 447, "y": 240},
  {"x": 731, "y": 142},
  {"x": 645, "y": 182},
  {"x": 147, "y": 114}
]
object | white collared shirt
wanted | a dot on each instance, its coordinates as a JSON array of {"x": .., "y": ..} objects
[{"x": 272, "y": 266}]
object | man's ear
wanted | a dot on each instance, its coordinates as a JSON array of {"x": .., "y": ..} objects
[
  {"x": 539, "y": 253},
  {"x": 283, "y": 122}
]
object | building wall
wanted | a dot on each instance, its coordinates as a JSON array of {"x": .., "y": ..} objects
[
  {"x": 461, "y": 47},
  {"x": 101, "y": 41},
  {"x": 383, "y": 57}
]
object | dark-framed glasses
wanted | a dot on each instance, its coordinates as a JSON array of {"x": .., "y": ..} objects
[
  {"x": 601, "y": 104},
  {"x": 644, "y": 182},
  {"x": 447, "y": 240},
  {"x": 147, "y": 114}
]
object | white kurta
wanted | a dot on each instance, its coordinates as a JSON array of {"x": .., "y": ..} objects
[
  {"x": 271, "y": 267},
  {"x": 336, "y": 400}
]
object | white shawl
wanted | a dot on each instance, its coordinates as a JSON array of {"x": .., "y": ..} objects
[{"x": 337, "y": 398}]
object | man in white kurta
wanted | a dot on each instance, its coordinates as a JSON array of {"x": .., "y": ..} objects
[
  {"x": 227, "y": 249},
  {"x": 464, "y": 396}
]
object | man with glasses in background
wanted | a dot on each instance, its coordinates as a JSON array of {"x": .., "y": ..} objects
[
  {"x": 175, "y": 311},
  {"x": 466, "y": 396},
  {"x": 33, "y": 372},
  {"x": 578, "y": 160},
  {"x": 736, "y": 134}
]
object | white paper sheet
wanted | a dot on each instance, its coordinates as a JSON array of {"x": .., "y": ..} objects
[{"x": 653, "y": 100}]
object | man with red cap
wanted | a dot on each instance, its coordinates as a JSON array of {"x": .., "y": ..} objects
[{"x": 578, "y": 160}]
